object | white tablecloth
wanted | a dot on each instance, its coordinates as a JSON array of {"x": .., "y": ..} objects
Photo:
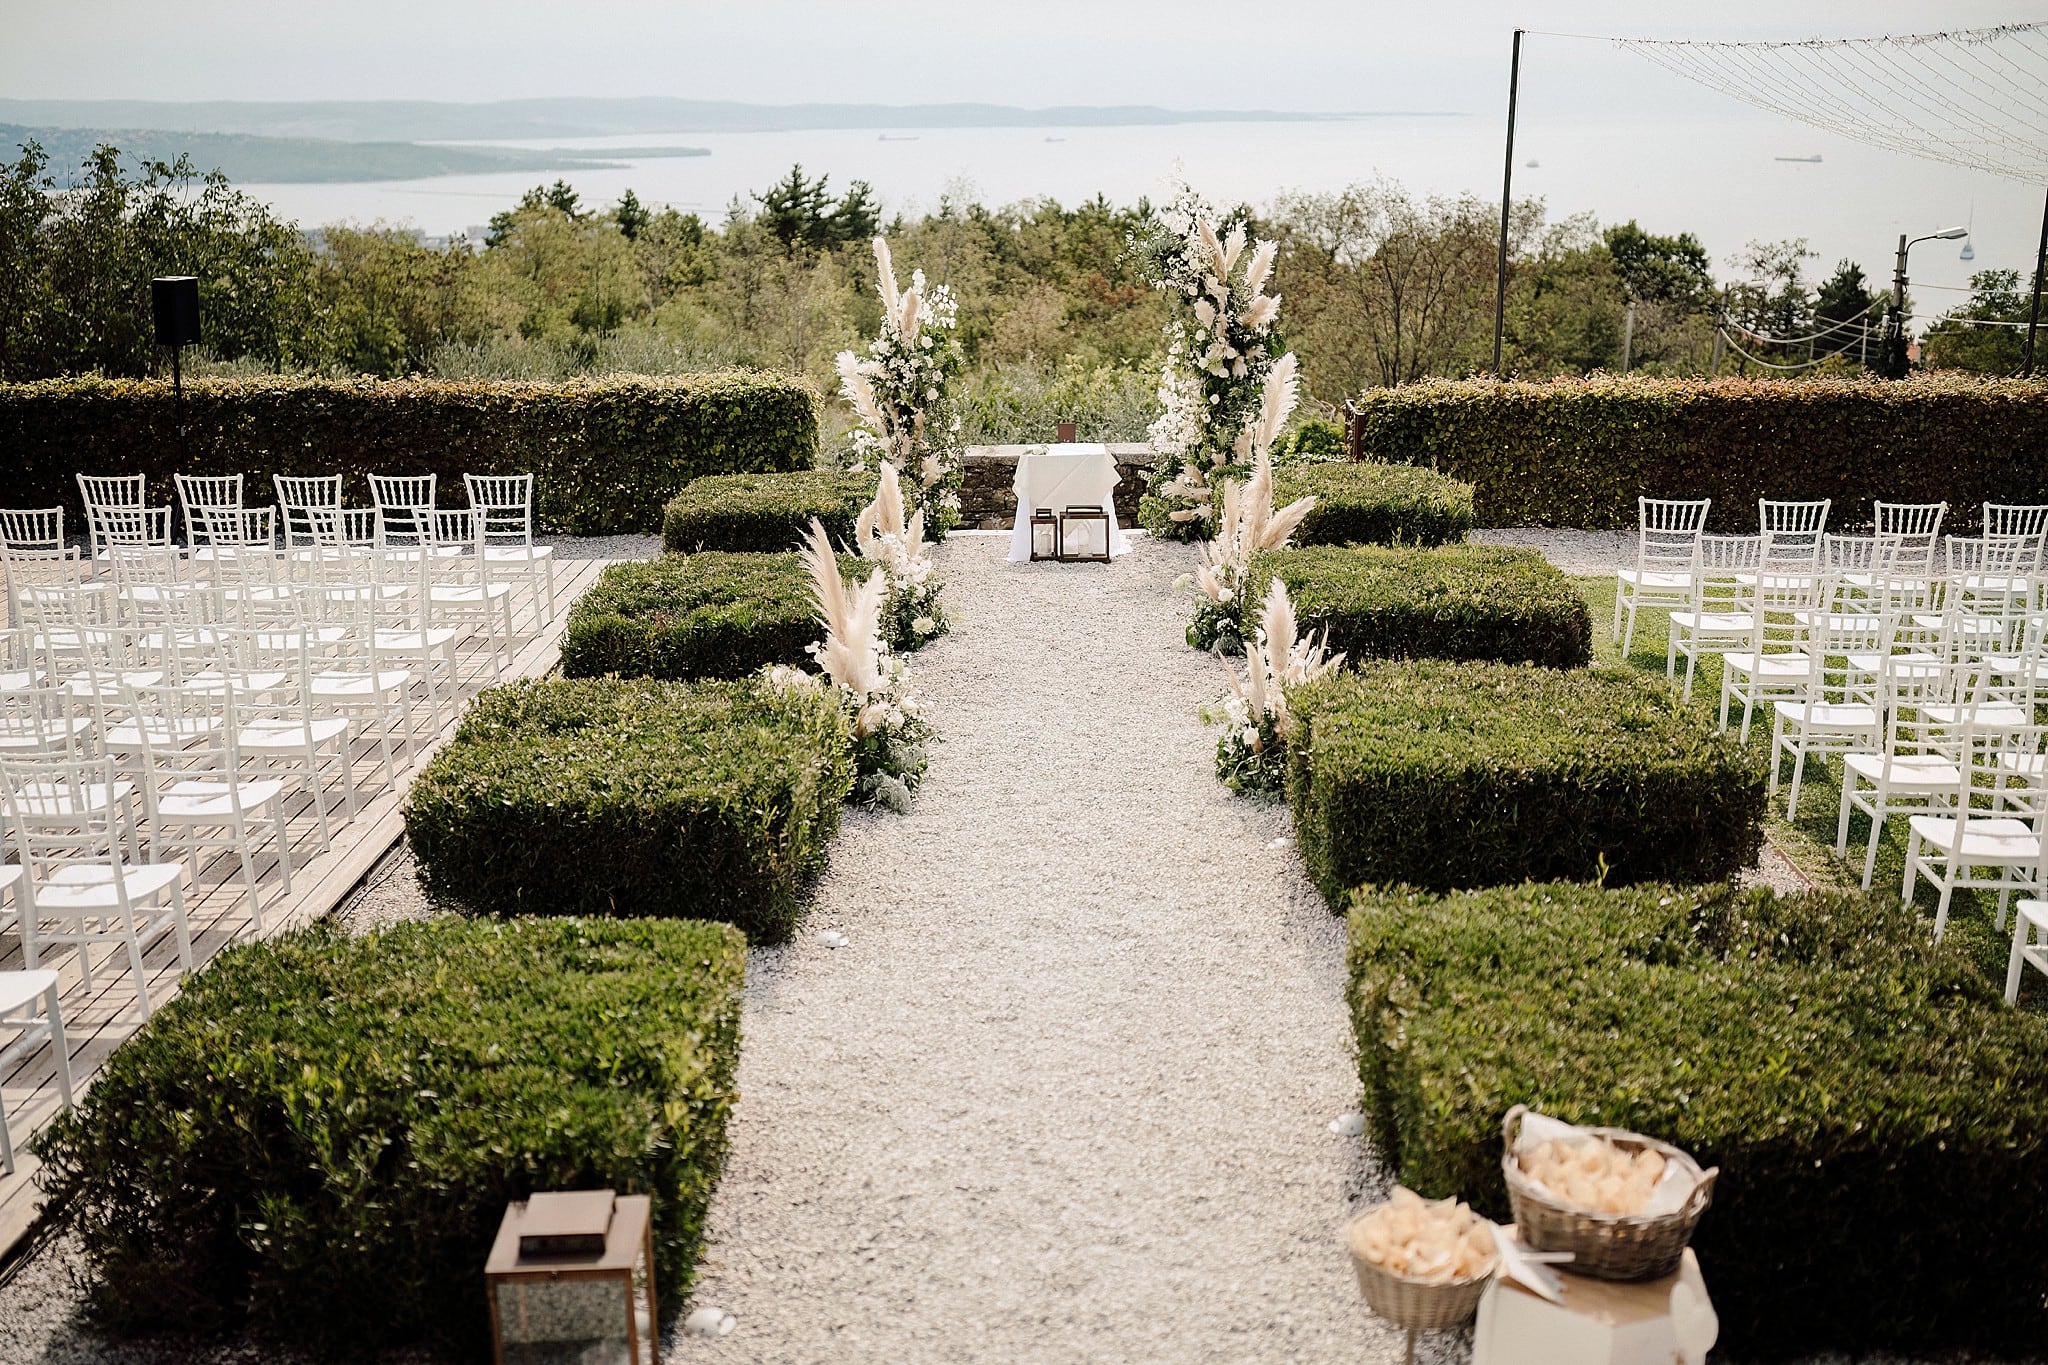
[{"x": 1076, "y": 474}]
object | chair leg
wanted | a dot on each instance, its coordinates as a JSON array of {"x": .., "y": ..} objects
[
  {"x": 1877, "y": 810},
  {"x": 1842, "y": 821},
  {"x": 135, "y": 966},
  {"x": 179, "y": 929},
  {"x": 58, "y": 1045},
  {"x": 1798, "y": 771},
  {"x": 1620, "y": 592},
  {"x": 1777, "y": 744},
  {"x": 2016, "y": 961},
  {"x": 1912, "y": 866}
]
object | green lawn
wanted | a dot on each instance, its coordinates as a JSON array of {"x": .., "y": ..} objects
[{"x": 1809, "y": 841}]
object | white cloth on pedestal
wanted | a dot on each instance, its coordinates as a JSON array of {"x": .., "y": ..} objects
[{"x": 1075, "y": 474}]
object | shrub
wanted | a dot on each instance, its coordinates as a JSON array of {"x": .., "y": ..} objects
[
  {"x": 1579, "y": 452},
  {"x": 614, "y": 797},
  {"x": 318, "y": 1137},
  {"x": 1316, "y": 438},
  {"x": 1492, "y": 602},
  {"x": 607, "y": 453},
  {"x": 1447, "y": 775},
  {"x": 764, "y": 512},
  {"x": 1370, "y": 503},
  {"x": 709, "y": 615},
  {"x": 1878, "y": 1117}
]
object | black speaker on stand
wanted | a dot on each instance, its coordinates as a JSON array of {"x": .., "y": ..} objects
[{"x": 175, "y": 301}]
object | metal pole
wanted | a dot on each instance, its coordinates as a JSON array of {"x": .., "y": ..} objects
[
  {"x": 1507, "y": 187},
  {"x": 1628, "y": 336},
  {"x": 2034, "y": 308}
]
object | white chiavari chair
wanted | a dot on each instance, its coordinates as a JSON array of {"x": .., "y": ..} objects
[
  {"x": 1718, "y": 616},
  {"x": 29, "y": 1005},
  {"x": 1775, "y": 663},
  {"x": 77, "y": 887},
  {"x": 1829, "y": 712},
  {"x": 194, "y": 796},
  {"x": 501, "y": 527},
  {"x": 1991, "y": 826},
  {"x": 282, "y": 729}
]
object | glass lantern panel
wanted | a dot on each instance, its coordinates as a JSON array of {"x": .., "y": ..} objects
[
  {"x": 1084, "y": 536},
  {"x": 1043, "y": 540},
  {"x": 565, "y": 1322}
]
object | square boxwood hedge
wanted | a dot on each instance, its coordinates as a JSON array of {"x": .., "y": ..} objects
[
  {"x": 1493, "y": 602},
  {"x": 1879, "y": 1117},
  {"x": 1373, "y": 503},
  {"x": 715, "y": 614},
  {"x": 318, "y": 1137},
  {"x": 764, "y": 512},
  {"x": 1447, "y": 775},
  {"x": 606, "y": 796}
]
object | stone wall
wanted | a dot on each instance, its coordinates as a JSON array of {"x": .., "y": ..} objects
[{"x": 987, "y": 473}]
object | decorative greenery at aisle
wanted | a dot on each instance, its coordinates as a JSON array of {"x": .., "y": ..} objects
[
  {"x": 1252, "y": 755},
  {"x": 873, "y": 686},
  {"x": 1248, "y": 523},
  {"x": 900, "y": 392},
  {"x": 1220, "y": 352},
  {"x": 911, "y": 613}
]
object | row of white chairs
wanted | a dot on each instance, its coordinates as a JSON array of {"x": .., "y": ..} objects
[
  {"x": 1673, "y": 549},
  {"x": 497, "y": 524}
]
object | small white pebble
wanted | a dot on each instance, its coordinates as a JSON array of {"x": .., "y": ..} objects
[
  {"x": 709, "y": 1322},
  {"x": 1284, "y": 841},
  {"x": 1348, "y": 1125},
  {"x": 832, "y": 938}
]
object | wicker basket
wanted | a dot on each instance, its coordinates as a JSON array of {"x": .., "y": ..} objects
[
  {"x": 1605, "y": 1246},
  {"x": 1415, "y": 1304}
]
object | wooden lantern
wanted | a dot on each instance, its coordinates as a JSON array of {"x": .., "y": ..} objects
[
  {"x": 571, "y": 1279},
  {"x": 1085, "y": 518},
  {"x": 1045, "y": 530}
]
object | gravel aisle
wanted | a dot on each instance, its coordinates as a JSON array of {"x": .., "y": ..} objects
[{"x": 1065, "y": 1094}]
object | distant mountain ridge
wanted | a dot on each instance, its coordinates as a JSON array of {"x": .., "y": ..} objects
[{"x": 408, "y": 121}]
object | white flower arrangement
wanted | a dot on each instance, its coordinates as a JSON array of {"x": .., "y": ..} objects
[
  {"x": 899, "y": 391},
  {"x": 1246, "y": 523},
  {"x": 873, "y": 685},
  {"x": 911, "y": 614},
  {"x": 1252, "y": 754},
  {"x": 1218, "y": 354}
]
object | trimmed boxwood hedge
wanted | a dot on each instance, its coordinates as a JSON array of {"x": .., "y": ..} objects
[
  {"x": 607, "y": 453},
  {"x": 1494, "y": 602},
  {"x": 318, "y": 1137},
  {"x": 764, "y": 512},
  {"x": 1578, "y": 452},
  {"x": 606, "y": 796},
  {"x": 1449, "y": 775},
  {"x": 1375, "y": 503},
  {"x": 709, "y": 615},
  {"x": 1879, "y": 1117}
]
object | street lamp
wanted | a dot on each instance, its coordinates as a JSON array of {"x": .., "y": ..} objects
[{"x": 1891, "y": 355}]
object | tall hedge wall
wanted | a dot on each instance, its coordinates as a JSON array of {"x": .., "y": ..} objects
[
  {"x": 1579, "y": 452},
  {"x": 608, "y": 452}
]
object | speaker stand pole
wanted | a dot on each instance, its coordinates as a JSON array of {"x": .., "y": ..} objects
[{"x": 178, "y": 401}]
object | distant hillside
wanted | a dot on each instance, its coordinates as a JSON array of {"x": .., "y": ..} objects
[
  {"x": 428, "y": 121},
  {"x": 270, "y": 160}
]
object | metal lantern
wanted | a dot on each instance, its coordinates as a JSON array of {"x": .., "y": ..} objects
[
  {"x": 1092, "y": 525},
  {"x": 1045, "y": 534},
  {"x": 571, "y": 1280}
]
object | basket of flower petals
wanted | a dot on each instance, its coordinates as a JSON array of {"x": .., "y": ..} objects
[
  {"x": 1422, "y": 1263},
  {"x": 1623, "y": 1204}
]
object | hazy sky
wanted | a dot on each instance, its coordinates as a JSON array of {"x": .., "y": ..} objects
[{"x": 1294, "y": 54}]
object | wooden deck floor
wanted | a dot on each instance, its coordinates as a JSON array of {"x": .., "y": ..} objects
[{"x": 99, "y": 1020}]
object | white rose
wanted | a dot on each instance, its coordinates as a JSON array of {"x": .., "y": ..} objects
[
  {"x": 924, "y": 625},
  {"x": 1248, "y": 736}
]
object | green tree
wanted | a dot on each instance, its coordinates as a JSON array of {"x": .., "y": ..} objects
[
  {"x": 1985, "y": 335},
  {"x": 1653, "y": 269},
  {"x": 631, "y": 216}
]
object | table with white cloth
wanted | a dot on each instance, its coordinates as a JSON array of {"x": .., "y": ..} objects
[{"x": 1074, "y": 474}]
